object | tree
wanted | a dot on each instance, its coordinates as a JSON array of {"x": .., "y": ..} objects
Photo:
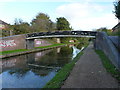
[
  {"x": 117, "y": 9},
  {"x": 63, "y": 24},
  {"x": 41, "y": 23},
  {"x": 20, "y": 27},
  {"x": 102, "y": 29}
]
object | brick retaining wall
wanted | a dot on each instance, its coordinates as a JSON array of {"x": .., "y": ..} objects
[
  {"x": 19, "y": 42},
  {"x": 13, "y": 42}
]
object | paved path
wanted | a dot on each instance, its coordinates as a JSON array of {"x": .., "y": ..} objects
[{"x": 90, "y": 73}]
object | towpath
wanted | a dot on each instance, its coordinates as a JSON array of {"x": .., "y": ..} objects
[{"x": 90, "y": 73}]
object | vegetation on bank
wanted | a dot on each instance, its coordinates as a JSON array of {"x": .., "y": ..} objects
[
  {"x": 108, "y": 65},
  {"x": 61, "y": 76},
  {"x": 23, "y": 50},
  {"x": 117, "y": 33},
  {"x": 51, "y": 45},
  {"x": 12, "y": 51},
  {"x": 109, "y": 31}
]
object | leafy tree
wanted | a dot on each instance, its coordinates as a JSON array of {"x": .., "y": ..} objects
[
  {"x": 20, "y": 27},
  {"x": 117, "y": 9},
  {"x": 63, "y": 24},
  {"x": 6, "y": 31},
  {"x": 102, "y": 29},
  {"x": 42, "y": 23}
]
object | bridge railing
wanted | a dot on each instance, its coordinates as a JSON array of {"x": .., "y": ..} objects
[{"x": 87, "y": 33}]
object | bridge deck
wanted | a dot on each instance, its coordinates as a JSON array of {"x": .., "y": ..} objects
[{"x": 61, "y": 34}]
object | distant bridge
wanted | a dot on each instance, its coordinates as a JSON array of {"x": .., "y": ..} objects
[{"x": 58, "y": 34}]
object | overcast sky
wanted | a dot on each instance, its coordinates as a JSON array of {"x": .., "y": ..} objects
[{"x": 82, "y": 14}]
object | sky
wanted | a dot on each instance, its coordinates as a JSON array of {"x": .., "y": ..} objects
[{"x": 82, "y": 14}]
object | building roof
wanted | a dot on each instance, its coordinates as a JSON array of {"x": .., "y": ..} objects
[
  {"x": 2, "y": 22},
  {"x": 116, "y": 27}
]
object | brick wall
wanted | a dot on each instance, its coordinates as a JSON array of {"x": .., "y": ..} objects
[
  {"x": 41, "y": 42},
  {"x": 19, "y": 42},
  {"x": 12, "y": 43}
]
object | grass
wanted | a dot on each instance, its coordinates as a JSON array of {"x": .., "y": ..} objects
[
  {"x": 12, "y": 51},
  {"x": 108, "y": 65},
  {"x": 117, "y": 33},
  {"x": 51, "y": 45},
  {"x": 61, "y": 76},
  {"x": 22, "y": 50}
]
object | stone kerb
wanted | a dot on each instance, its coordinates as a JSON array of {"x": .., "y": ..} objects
[{"x": 104, "y": 43}]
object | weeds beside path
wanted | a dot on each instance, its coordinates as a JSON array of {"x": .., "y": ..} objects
[{"x": 108, "y": 65}]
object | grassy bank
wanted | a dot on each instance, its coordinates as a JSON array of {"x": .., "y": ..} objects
[
  {"x": 117, "y": 33},
  {"x": 51, "y": 45},
  {"x": 61, "y": 76},
  {"x": 12, "y": 51},
  {"x": 108, "y": 65},
  {"x": 23, "y": 50}
]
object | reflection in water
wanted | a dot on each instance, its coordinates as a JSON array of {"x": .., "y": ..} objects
[
  {"x": 34, "y": 70},
  {"x": 58, "y": 50},
  {"x": 75, "y": 52}
]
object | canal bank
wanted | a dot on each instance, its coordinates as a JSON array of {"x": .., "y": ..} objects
[
  {"x": 62, "y": 75},
  {"x": 27, "y": 51},
  {"x": 32, "y": 50},
  {"x": 65, "y": 71}
]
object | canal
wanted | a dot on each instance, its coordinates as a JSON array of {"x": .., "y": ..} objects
[{"x": 34, "y": 70}]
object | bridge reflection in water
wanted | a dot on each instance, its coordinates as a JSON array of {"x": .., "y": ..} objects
[{"x": 36, "y": 69}]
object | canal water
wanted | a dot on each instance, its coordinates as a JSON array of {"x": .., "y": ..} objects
[{"x": 34, "y": 70}]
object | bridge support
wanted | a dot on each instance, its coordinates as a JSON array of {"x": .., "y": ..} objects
[
  {"x": 58, "y": 40},
  {"x": 30, "y": 44}
]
